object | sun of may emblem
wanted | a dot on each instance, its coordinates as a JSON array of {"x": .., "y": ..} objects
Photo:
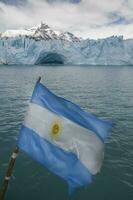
[{"x": 55, "y": 130}]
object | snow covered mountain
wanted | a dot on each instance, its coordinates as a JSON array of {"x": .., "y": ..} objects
[
  {"x": 42, "y": 32},
  {"x": 42, "y": 45}
]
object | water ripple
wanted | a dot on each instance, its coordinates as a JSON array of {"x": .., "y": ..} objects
[{"x": 106, "y": 92}]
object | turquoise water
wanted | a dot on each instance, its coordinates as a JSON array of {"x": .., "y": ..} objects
[{"x": 104, "y": 91}]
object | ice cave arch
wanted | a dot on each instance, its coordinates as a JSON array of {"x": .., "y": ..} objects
[{"x": 50, "y": 58}]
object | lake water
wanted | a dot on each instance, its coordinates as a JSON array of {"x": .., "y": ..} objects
[{"x": 104, "y": 91}]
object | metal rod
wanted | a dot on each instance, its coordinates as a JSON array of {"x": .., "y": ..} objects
[{"x": 9, "y": 171}]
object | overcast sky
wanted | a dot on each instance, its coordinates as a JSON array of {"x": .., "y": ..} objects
[{"x": 87, "y": 18}]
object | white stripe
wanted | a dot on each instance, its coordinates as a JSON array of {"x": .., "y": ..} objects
[{"x": 85, "y": 144}]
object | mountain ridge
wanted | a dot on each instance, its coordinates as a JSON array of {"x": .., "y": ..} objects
[{"x": 43, "y": 31}]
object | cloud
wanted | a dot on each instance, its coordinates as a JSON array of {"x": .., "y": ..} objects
[{"x": 88, "y": 18}]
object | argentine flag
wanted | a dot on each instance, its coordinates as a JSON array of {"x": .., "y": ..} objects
[{"x": 61, "y": 136}]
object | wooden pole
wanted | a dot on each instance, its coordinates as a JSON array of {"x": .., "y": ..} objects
[
  {"x": 9, "y": 171},
  {"x": 39, "y": 79}
]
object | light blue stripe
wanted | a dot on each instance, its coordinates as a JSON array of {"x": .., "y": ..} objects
[
  {"x": 45, "y": 98},
  {"x": 62, "y": 163}
]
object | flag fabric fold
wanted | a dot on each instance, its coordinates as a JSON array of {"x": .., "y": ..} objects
[{"x": 64, "y": 138}]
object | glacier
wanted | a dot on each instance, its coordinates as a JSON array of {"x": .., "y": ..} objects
[{"x": 42, "y": 45}]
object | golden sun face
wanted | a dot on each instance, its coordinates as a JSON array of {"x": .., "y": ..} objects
[{"x": 55, "y": 130}]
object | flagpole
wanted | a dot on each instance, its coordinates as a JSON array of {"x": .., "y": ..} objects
[{"x": 9, "y": 171}]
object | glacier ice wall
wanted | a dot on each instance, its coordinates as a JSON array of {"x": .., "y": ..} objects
[{"x": 28, "y": 50}]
